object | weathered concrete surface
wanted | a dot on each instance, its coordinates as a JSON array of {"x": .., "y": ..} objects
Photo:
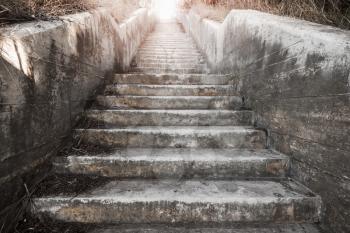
[
  {"x": 171, "y": 201},
  {"x": 175, "y": 137},
  {"x": 48, "y": 71},
  {"x": 178, "y": 163},
  {"x": 295, "y": 75},
  {"x": 291, "y": 228},
  {"x": 171, "y": 102},
  {"x": 171, "y": 90},
  {"x": 108, "y": 118},
  {"x": 176, "y": 79}
]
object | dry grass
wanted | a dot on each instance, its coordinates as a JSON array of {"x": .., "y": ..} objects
[
  {"x": 16, "y": 11},
  {"x": 330, "y": 12}
]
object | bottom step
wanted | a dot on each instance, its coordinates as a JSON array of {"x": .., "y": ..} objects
[
  {"x": 292, "y": 228},
  {"x": 185, "y": 202}
]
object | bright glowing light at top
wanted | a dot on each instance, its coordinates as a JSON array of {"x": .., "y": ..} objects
[{"x": 165, "y": 9}]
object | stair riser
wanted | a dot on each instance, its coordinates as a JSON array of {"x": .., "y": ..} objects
[
  {"x": 171, "y": 169},
  {"x": 160, "y": 139},
  {"x": 168, "y": 53},
  {"x": 171, "y": 91},
  {"x": 174, "y": 79},
  {"x": 142, "y": 118},
  {"x": 196, "y": 65},
  {"x": 171, "y": 212},
  {"x": 167, "y": 46},
  {"x": 168, "y": 57},
  {"x": 162, "y": 71},
  {"x": 233, "y": 103},
  {"x": 195, "y": 61},
  {"x": 169, "y": 50}
]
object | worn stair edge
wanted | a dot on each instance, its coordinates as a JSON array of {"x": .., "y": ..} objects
[
  {"x": 194, "y": 201},
  {"x": 170, "y": 70},
  {"x": 183, "y": 65},
  {"x": 175, "y": 137},
  {"x": 108, "y": 118},
  {"x": 171, "y": 90},
  {"x": 173, "y": 79},
  {"x": 169, "y": 61},
  {"x": 272, "y": 228},
  {"x": 171, "y": 102},
  {"x": 177, "y": 163}
]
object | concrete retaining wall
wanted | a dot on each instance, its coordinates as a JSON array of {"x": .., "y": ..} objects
[
  {"x": 48, "y": 72},
  {"x": 296, "y": 76}
]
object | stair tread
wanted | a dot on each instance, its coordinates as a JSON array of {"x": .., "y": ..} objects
[
  {"x": 180, "y": 129},
  {"x": 181, "y": 154},
  {"x": 192, "y": 191},
  {"x": 176, "y": 162},
  {"x": 185, "y": 201},
  {"x": 174, "y": 111},
  {"x": 287, "y": 228}
]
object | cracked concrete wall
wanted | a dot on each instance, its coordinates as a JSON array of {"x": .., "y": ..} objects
[
  {"x": 48, "y": 72},
  {"x": 296, "y": 76}
]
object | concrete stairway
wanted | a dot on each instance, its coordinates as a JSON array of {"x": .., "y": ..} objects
[{"x": 182, "y": 156}]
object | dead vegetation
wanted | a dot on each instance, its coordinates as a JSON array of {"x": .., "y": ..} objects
[
  {"x": 16, "y": 11},
  {"x": 329, "y": 12}
]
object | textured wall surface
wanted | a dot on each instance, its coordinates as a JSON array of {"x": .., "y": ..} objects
[
  {"x": 48, "y": 72},
  {"x": 296, "y": 76}
]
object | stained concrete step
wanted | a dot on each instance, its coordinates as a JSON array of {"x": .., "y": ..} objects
[
  {"x": 168, "y": 57},
  {"x": 170, "y": 70},
  {"x": 170, "y": 60},
  {"x": 177, "y": 163},
  {"x": 266, "y": 228},
  {"x": 109, "y": 118},
  {"x": 171, "y": 90},
  {"x": 175, "y": 137},
  {"x": 169, "y": 53},
  {"x": 179, "y": 65},
  {"x": 185, "y": 202},
  {"x": 171, "y": 102},
  {"x": 167, "y": 40},
  {"x": 175, "y": 79},
  {"x": 157, "y": 44},
  {"x": 169, "y": 50}
]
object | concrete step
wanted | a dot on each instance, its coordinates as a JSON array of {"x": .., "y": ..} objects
[
  {"x": 170, "y": 70},
  {"x": 185, "y": 202},
  {"x": 174, "y": 79},
  {"x": 266, "y": 228},
  {"x": 170, "y": 60},
  {"x": 177, "y": 163},
  {"x": 162, "y": 42},
  {"x": 157, "y": 45},
  {"x": 109, "y": 118},
  {"x": 168, "y": 53},
  {"x": 168, "y": 57},
  {"x": 175, "y": 137},
  {"x": 169, "y": 50},
  {"x": 178, "y": 65},
  {"x": 168, "y": 47},
  {"x": 171, "y": 90},
  {"x": 171, "y": 102}
]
